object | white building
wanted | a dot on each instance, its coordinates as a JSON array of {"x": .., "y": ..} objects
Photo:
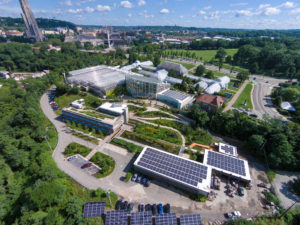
[
  {"x": 115, "y": 109},
  {"x": 78, "y": 104},
  {"x": 214, "y": 88},
  {"x": 175, "y": 98},
  {"x": 160, "y": 75}
]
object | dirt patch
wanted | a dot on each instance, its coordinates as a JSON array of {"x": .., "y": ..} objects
[
  {"x": 262, "y": 178},
  {"x": 252, "y": 203}
]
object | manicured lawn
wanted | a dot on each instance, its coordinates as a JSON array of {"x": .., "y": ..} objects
[
  {"x": 127, "y": 145},
  {"x": 105, "y": 162},
  {"x": 74, "y": 148},
  {"x": 235, "y": 68},
  {"x": 245, "y": 97},
  {"x": 206, "y": 55},
  {"x": 152, "y": 114},
  {"x": 97, "y": 114}
]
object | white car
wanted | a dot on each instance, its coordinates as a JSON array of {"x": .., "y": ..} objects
[
  {"x": 237, "y": 214},
  {"x": 72, "y": 157}
]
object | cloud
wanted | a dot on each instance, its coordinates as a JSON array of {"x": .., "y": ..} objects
[
  {"x": 103, "y": 8},
  {"x": 81, "y": 2},
  {"x": 212, "y": 15},
  {"x": 243, "y": 13},
  {"x": 270, "y": 11},
  {"x": 164, "y": 11},
  {"x": 181, "y": 17},
  {"x": 3, "y": 2},
  {"x": 66, "y": 2},
  {"x": 89, "y": 9},
  {"x": 201, "y": 12},
  {"x": 129, "y": 15},
  {"x": 238, "y": 4},
  {"x": 295, "y": 11},
  {"x": 126, "y": 4},
  {"x": 141, "y": 2},
  {"x": 207, "y": 7},
  {"x": 75, "y": 11},
  {"x": 262, "y": 6},
  {"x": 288, "y": 5},
  {"x": 146, "y": 15}
]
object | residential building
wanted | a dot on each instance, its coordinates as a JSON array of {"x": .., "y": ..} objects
[{"x": 209, "y": 102}]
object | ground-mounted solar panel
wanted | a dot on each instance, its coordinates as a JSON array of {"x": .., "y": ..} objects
[
  {"x": 193, "y": 219},
  {"x": 116, "y": 217},
  {"x": 141, "y": 218},
  {"x": 172, "y": 166},
  {"x": 93, "y": 209},
  {"x": 166, "y": 219}
]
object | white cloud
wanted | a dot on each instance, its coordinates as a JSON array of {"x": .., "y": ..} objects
[
  {"x": 212, "y": 15},
  {"x": 66, "y": 2},
  {"x": 129, "y": 15},
  {"x": 103, "y": 8},
  {"x": 270, "y": 11},
  {"x": 89, "y": 9},
  {"x": 146, "y": 15},
  {"x": 81, "y": 2},
  {"x": 243, "y": 13},
  {"x": 126, "y": 4},
  {"x": 164, "y": 11},
  {"x": 207, "y": 7},
  {"x": 262, "y": 6},
  {"x": 75, "y": 11},
  {"x": 181, "y": 17},
  {"x": 201, "y": 12},
  {"x": 295, "y": 11},
  {"x": 3, "y": 2},
  {"x": 288, "y": 5},
  {"x": 238, "y": 4},
  {"x": 141, "y": 2}
]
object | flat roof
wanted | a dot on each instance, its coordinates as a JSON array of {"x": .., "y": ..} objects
[
  {"x": 228, "y": 149},
  {"x": 114, "y": 107},
  {"x": 175, "y": 168},
  {"x": 143, "y": 79},
  {"x": 227, "y": 164},
  {"x": 179, "y": 96}
]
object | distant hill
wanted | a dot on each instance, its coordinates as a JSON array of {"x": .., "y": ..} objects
[{"x": 17, "y": 23}]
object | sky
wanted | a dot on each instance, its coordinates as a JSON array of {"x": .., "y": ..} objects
[{"x": 246, "y": 14}]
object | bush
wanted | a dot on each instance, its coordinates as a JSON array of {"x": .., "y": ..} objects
[
  {"x": 74, "y": 148},
  {"x": 128, "y": 176},
  {"x": 271, "y": 198},
  {"x": 271, "y": 174},
  {"x": 127, "y": 145},
  {"x": 105, "y": 162}
]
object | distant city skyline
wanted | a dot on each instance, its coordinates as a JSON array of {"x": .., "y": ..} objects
[{"x": 255, "y": 14}]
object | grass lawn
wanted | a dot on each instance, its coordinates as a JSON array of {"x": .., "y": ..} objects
[
  {"x": 206, "y": 55},
  {"x": 127, "y": 145},
  {"x": 153, "y": 114},
  {"x": 245, "y": 96},
  {"x": 74, "y": 148},
  {"x": 235, "y": 68},
  {"x": 84, "y": 137},
  {"x": 105, "y": 162},
  {"x": 96, "y": 114},
  {"x": 85, "y": 129}
]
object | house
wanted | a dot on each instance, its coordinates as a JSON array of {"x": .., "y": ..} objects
[{"x": 209, "y": 102}]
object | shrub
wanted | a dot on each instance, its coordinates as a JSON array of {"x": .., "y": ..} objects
[{"x": 74, "y": 148}]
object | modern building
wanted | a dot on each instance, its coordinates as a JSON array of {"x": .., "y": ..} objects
[
  {"x": 32, "y": 29},
  {"x": 144, "y": 87},
  {"x": 174, "y": 98},
  {"x": 178, "y": 68},
  {"x": 115, "y": 109},
  {"x": 98, "y": 79},
  {"x": 77, "y": 104},
  {"x": 108, "y": 124},
  {"x": 209, "y": 102},
  {"x": 173, "y": 169},
  {"x": 213, "y": 86},
  {"x": 288, "y": 106},
  {"x": 212, "y": 89}
]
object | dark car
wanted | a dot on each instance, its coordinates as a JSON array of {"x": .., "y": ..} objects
[
  {"x": 144, "y": 181},
  {"x": 55, "y": 107},
  {"x": 139, "y": 179},
  {"x": 241, "y": 191},
  {"x": 86, "y": 165},
  {"x": 148, "y": 207},
  {"x": 134, "y": 177},
  {"x": 118, "y": 205},
  {"x": 148, "y": 183},
  {"x": 125, "y": 205},
  {"x": 167, "y": 208},
  {"x": 130, "y": 207},
  {"x": 154, "y": 209},
  {"x": 141, "y": 207},
  {"x": 160, "y": 209},
  {"x": 253, "y": 115}
]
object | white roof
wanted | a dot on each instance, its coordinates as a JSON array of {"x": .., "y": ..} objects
[
  {"x": 201, "y": 84},
  {"x": 224, "y": 80},
  {"x": 288, "y": 106},
  {"x": 114, "y": 107},
  {"x": 214, "y": 88}
]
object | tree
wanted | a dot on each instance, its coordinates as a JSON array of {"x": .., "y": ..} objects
[
  {"x": 242, "y": 76},
  {"x": 221, "y": 53},
  {"x": 200, "y": 70},
  {"x": 254, "y": 144},
  {"x": 210, "y": 74},
  {"x": 156, "y": 60}
]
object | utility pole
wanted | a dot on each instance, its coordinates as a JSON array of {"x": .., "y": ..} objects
[
  {"x": 108, "y": 195},
  {"x": 48, "y": 142}
]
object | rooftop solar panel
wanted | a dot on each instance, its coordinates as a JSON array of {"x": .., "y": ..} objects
[
  {"x": 93, "y": 209},
  {"x": 166, "y": 219},
  {"x": 226, "y": 162},
  {"x": 190, "y": 219},
  {"x": 141, "y": 218},
  {"x": 116, "y": 217},
  {"x": 228, "y": 149},
  {"x": 177, "y": 168},
  {"x": 176, "y": 95}
]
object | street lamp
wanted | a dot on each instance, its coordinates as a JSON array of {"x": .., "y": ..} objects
[{"x": 108, "y": 195}]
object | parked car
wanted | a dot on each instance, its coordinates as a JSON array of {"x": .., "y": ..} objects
[
  {"x": 55, "y": 107},
  {"x": 141, "y": 207},
  {"x": 134, "y": 177},
  {"x": 154, "y": 209},
  {"x": 139, "y": 179},
  {"x": 52, "y": 103},
  {"x": 72, "y": 157},
  {"x": 262, "y": 185},
  {"x": 160, "y": 209},
  {"x": 167, "y": 208},
  {"x": 118, "y": 205},
  {"x": 228, "y": 215},
  {"x": 144, "y": 181},
  {"x": 148, "y": 207},
  {"x": 130, "y": 207},
  {"x": 236, "y": 214},
  {"x": 241, "y": 191},
  {"x": 86, "y": 165},
  {"x": 148, "y": 183},
  {"x": 125, "y": 205},
  {"x": 253, "y": 115}
]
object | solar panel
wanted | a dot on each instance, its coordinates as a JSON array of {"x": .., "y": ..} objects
[
  {"x": 226, "y": 162},
  {"x": 116, "y": 217},
  {"x": 227, "y": 149},
  {"x": 141, "y": 218},
  {"x": 194, "y": 219},
  {"x": 93, "y": 209},
  {"x": 176, "y": 95},
  {"x": 166, "y": 219},
  {"x": 172, "y": 166}
]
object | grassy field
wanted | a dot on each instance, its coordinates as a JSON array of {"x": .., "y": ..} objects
[
  {"x": 205, "y": 55},
  {"x": 127, "y": 145},
  {"x": 186, "y": 65},
  {"x": 74, "y": 148},
  {"x": 245, "y": 96},
  {"x": 105, "y": 162}
]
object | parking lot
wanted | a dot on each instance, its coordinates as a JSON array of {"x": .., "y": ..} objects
[{"x": 79, "y": 161}]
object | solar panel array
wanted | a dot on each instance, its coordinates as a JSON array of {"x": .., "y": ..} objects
[
  {"x": 228, "y": 149},
  {"x": 116, "y": 217},
  {"x": 141, "y": 218},
  {"x": 172, "y": 166},
  {"x": 166, "y": 219},
  {"x": 93, "y": 209},
  {"x": 190, "y": 219},
  {"x": 226, "y": 162},
  {"x": 176, "y": 95}
]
